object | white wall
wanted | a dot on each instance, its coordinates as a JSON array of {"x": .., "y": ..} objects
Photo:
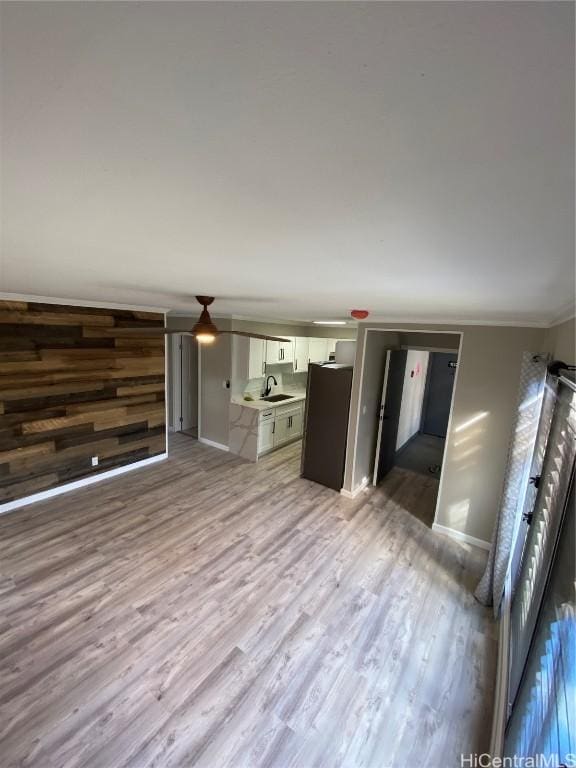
[
  {"x": 412, "y": 395},
  {"x": 215, "y": 365}
]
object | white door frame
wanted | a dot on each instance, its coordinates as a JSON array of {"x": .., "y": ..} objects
[
  {"x": 381, "y": 418},
  {"x": 454, "y": 389},
  {"x": 176, "y": 374},
  {"x": 199, "y": 390},
  {"x": 176, "y": 393}
]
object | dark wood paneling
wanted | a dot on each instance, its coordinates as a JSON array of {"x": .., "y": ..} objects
[{"x": 74, "y": 385}]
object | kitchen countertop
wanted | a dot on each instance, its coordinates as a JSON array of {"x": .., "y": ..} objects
[{"x": 261, "y": 405}]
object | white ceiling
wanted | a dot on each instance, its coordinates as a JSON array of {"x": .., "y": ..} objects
[{"x": 414, "y": 159}]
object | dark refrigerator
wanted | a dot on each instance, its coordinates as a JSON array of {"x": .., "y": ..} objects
[{"x": 326, "y": 423}]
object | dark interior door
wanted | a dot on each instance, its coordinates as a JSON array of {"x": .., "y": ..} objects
[
  {"x": 439, "y": 386},
  {"x": 389, "y": 412}
]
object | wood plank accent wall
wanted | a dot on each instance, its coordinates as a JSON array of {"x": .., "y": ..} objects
[{"x": 74, "y": 386}]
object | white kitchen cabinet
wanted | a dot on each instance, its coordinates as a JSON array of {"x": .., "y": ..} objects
[
  {"x": 287, "y": 350},
  {"x": 248, "y": 358},
  {"x": 345, "y": 351},
  {"x": 287, "y": 427},
  {"x": 295, "y": 424},
  {"x": 288, "y": 423},
  {"x": 280, "y": 431},
  {"x": 318, "y": 350},
  {"x": 301, "y": 352},
  {"x": 279, "y": 352},
  {"x": 272, "y": 352},
  {"x": 265, "y": 435},
  {"x": 257, "y": 359}
]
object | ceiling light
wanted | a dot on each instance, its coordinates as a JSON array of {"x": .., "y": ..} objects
[
  {"x": 329, "y": 322},
  {"x": 204, "y": 329},
  {"x": 205, "y": 338}
]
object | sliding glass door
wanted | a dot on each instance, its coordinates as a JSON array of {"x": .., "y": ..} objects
[
  {"x": 542, "y": 694},
  {"x": 543, "y": 719}
]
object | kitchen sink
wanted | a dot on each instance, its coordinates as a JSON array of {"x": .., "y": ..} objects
[{"x": 276, "y": 398}]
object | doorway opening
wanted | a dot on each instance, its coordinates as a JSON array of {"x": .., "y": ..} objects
[
  {"x": 183, "y": 370},
  {"x": 414, "y": 409},
  {"x": 423, "y": 418}
]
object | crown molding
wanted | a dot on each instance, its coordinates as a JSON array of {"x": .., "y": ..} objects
[
  {"x": 568, "y": 313},
  {"x": 453, "y": 321},
  {"x": 284, "y": 321},
  {"x": 275, "y": 321},
  {"x": 564, "y": 315},
  {"x": 80, "y": 302}
]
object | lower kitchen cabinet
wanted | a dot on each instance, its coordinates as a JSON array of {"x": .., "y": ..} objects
[
  {"x": 280, "y": 426},
  {"x": 266, "y": 431},
  {"x": 296, "y": 424},
  {"x": 288, "y": 424},
  {"x": 280, "y": 431}
]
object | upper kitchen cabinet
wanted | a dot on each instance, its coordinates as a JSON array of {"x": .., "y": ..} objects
[
  {"x": 318, "y": 350},
  {"x": 249, "y": 356},
  {"x": 287, "y": 350},
  {"x": 257, "y": 358},
  {"x": 273, "y": 353},
  {"x": 253, "y": 355},
  {"x": 279, "y": 352},
  {"x": 301, "y": 352}
]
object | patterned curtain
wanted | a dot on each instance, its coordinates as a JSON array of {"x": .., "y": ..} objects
[{"x": 516, "y": 481}]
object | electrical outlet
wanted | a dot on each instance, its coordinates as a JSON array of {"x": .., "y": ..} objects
[{"x": 94, "y": 461}]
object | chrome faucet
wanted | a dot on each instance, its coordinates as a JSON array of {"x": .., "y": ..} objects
[{"x": 268, "y": 388}]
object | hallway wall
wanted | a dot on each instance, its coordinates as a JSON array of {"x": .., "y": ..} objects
[{"x": 412, "y": 395}]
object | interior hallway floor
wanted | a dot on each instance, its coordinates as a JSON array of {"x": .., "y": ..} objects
[
  {"x": 206, "y": 611},
  {"x": 423, "y": 454}
]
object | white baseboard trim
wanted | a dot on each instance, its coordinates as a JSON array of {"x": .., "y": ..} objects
[
  {"x": 355, "y": 492},
  {"x": 459, "y": 536},
  {"x": 43, "y": 495},
  {"x": 213, "y": 444}
]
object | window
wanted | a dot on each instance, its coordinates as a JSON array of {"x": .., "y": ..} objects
[
  {"x": 542, "y": 683},
  {"x": 543, "y": 719}
]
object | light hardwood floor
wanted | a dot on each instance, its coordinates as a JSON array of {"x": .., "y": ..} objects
[{"x": 210, "y": 612}]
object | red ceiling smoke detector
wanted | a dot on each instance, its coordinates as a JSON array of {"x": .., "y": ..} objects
[{"x": 359, "y": 314}]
